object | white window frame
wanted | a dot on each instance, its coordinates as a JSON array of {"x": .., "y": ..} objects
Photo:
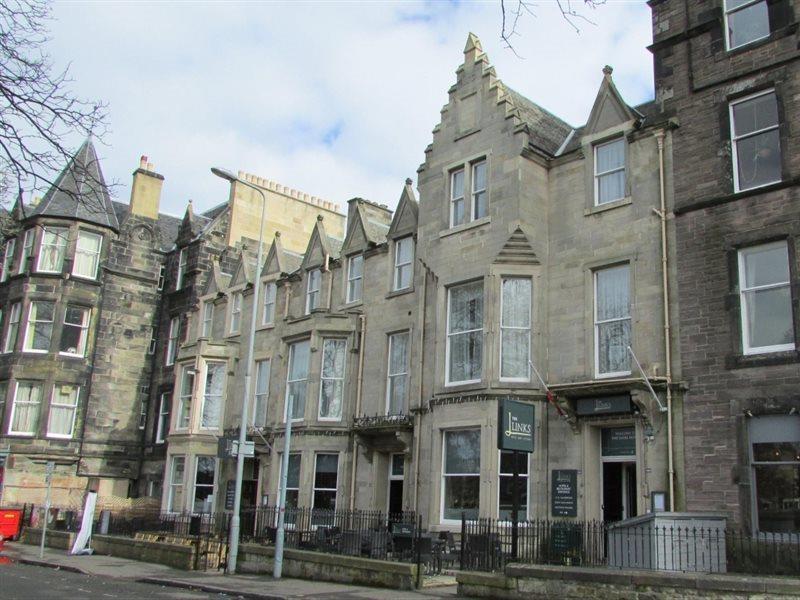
[
  {"x": 326, "y": 343},
  {"x": 207, "y": 323},
  {"x": 598, "y": 175},
  {"x": 8, "y": 258},
  {"x": 27, "y": 249},
  {"x": 72, "y": 407},
  {"x": 204, "y": 398},
  {"x": 62, "y": 235},
  {"x": 312, "y": 293},
  {"x": 162, "y": 425},
  {"x": 398, "y": 266},
  {"x": 524, "y": 484},
  {"x": 444, "y": 475},
  {"x": 355, "y": 280},
  {"x": 597, "y": 373},
  {"x": 213, "y": 485},
  {"x": 28, "y": 339},
  {"x": 84, "y": 234},
  {"x": 270, "y": 301},
  {"x": 473, "y": 179},
  {"x": 185, "y": 398},
  {"x": 12, "y": 330},
  {"x": 162, "y": 276},
  {"x": 80, "y": 350},
  {"x": 449, "y": 335},
  {"x": 181, "y": 272},
  {"x": 260, "y": 364},
  {"x": 736, "y": 138},
  {"x": 390, "y": 376},
  {"x": 153, "y": 342},
  {"x": 455, "y": 199},
  {"x": 747, "y": 349},
  {"x": 315, "y": 489},
  {"x": 172, "y": 341},
  {"x": 235, "y": 324},
  {"x": 730, "y": 11},
  {"x": 290, "y": 363},
  {"x": 15, "y": 403},
  {"x": 504, "y": 328},
  {"x": 172, "y": 484}
]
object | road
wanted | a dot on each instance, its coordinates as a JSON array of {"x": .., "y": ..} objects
[{"x": 26, "y": 582}]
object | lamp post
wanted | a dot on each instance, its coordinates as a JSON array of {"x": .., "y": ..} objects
[{"x": 233, "y": 553}]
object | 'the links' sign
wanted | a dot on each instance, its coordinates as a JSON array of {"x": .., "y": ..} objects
[{"x": 514, "y": 425}]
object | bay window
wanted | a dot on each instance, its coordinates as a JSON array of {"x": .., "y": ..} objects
[
  {"x": 52, "y": 250},
  {"x": 13, "y": 327},
  {"x": 506, "y": 498},
  {"x": 331, "y": 389},
  {"x": 212, "y": 395},
  {"x": 515, "y": 329},
  {"x": 297, "y": 380},
  {"x": 258, "y": 417},
  {"x": 185, "y": 398},
  {"x": 176, "y": 480},
  {"x": 397, "y": 374},
  {"x": 326, "y": 470},
  {"x": 461, "y": 468},
  {"x": 208, "y": 318},
  {"x": 39, "y": 328},
  {"x": 75, "y": 331},
  {"x": 25, "y": 408},
  {"x": 464, "y": 333},
  {"x": 765, "y": 299},
  {"x": 27, "y": 250},
  {"x": 8, "y": 259},
  {"x": 63, "y": 407},
  {"x": 755, "y": 141},
  {"x": 87, "y": 254},
  {"x": 162, "y": 426},
  {"x": 292, "y": 485},
  {"x": 612, "y": 321},
  {"x": 204, "y": 484},
  {"x": 172, "y": 341}
]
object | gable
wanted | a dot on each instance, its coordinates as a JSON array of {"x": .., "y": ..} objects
[
  {"x": 213, "y": 286},
  {"x": 406, "y": 216},
  {"x": 316, "y": 249},
  {"x": 356, "y": 239},
  {"x": 517, "y": 250},
  {"x": 609, "y": 109},
  {"x": 240, "y": 273}
]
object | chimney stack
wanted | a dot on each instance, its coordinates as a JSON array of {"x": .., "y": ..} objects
[{"x": 146, "y": 190}]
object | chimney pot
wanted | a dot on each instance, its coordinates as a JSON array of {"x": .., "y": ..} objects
[{"x": 143, "y": 162}]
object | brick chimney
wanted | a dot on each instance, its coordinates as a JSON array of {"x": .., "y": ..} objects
[{"x": 146, "y": 190}]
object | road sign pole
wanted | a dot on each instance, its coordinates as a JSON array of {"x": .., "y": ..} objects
[{"x": 48, "y": 477}]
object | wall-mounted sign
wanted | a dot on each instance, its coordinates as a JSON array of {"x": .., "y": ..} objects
[
  {"x": 619, "y": 441},
  {"x": 604, "y": 405},
  {"x": 514, "y": 425},
  {"x": 564, "y": 494},
  {"x": 230, "y": 494}
]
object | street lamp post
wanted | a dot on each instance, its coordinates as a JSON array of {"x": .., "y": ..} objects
[{"x": 233, "y": 553}]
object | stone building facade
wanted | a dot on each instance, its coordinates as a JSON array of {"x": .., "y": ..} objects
[{"x": 730, "y": 76}]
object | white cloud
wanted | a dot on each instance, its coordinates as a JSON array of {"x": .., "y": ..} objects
[{"x": 335, "y": 99}]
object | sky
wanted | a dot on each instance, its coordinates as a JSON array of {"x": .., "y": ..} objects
[{"x": 336, "y": 99}]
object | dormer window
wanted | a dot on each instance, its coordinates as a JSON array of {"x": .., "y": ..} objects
[
  {"x": 270, "y": 294},
  {"x": 236, "y": 312},
  {"x": 8, "y": 258},
  {"x": 746, "y": 21},
  {"x": 27, "y": 250},
  {"x": 609, "y": 171},
  {"x": 208, "y": 318},
  {"x": 52, "y": 250},
  {"x": 87, "y": 254},
  {"x": 403, "y": 263},
  {"x": 355, "y": 275},
  {"x": 312, "y": 290}
]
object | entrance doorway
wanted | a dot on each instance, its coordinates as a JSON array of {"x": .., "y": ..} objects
[
  {"x": 396, "y": 469},
  {"x": 619, "y": 491}
]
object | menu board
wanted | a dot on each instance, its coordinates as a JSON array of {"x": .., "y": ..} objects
[{"x": 564, "y": 496}]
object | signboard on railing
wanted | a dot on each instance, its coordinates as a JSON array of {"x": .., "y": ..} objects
[{"x": 514, "y": 425}]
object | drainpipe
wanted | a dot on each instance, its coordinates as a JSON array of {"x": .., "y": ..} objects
[
  {"x": 288, "y": 286},
  {"x": 421, "y": 371},
  {"x": 359, "y": 387},
  {"x": 667, "y": 329}
]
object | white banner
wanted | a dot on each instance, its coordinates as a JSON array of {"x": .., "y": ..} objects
[{"x": 82, "y": 540}]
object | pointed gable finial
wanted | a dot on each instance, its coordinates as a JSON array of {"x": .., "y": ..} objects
[
  {"x": 473, "y": 43},
  {"x": 319, "y": 218},
  {"x": 409, "y": 181},
  {"x": 608, "y": 70},
  {"x": 277, "y": 234}
]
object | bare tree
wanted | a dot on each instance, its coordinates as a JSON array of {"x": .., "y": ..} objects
[
  {"x": 39, "y": 113},
  {"x": 513, "y": 10}
]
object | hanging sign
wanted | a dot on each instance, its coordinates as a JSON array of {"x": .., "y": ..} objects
[
  {"x": 514, "y": 425},
  {"x": 564, "y": 495}
]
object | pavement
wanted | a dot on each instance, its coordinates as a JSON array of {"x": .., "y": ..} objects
[{"x": 257, "y": 587}]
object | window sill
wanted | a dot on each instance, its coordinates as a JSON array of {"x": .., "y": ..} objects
[
  {"x": 84, "y": 278},
  {"x": 465, "y": 226},
  {"x": 608, "y": 206},
  {"x": 70, "y": 355},
  {"x": 266, "y": 326},
  {"x": 34, "y": 352},
  {"x": 766, "y": 359},
  {"x": 450, "y": 389},
  {"x": 20, "y": 434},
  {"x": 615, "y": 375},
  {"x": 353, "y": 304},
  {"x": 403, "y": 292}
]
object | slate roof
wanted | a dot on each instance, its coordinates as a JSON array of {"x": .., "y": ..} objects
[
  {"x": 335, "y": 245},
  {"x": 80, "y": 192},
  {"x": 376, "y": 232},
  {"x": 168, "y": 225},
  {"x": 547, "y": 131},
  {"x": 292, "y": 261}
]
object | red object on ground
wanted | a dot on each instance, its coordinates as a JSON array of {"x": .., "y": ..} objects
[{"x": 10, "y": 523}]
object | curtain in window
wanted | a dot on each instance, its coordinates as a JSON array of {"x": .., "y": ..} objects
[
  {"x": 610, "y": 169},
  {"x": 54, "y": 244},
  {"x": 215, "y": 387},
  {"x": 87, "y": 253},
  {"x": 176, "y": 484},
  {"x": 259, "y": 416},
  {"x": 73, "y": 340},
  {"x": 26, "y": 408},
  {"x": 41, "y": 322},
  {"x": 297, "y": 380},
  {"x": 62, "y": 410},
  {"x": 515, "y": 327},
  {"x": 187, "y": 389},
  {"x": 333, "y": 357},
  {"x": 613, "y": 319},
  {"x": 466, "y": 332}
]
